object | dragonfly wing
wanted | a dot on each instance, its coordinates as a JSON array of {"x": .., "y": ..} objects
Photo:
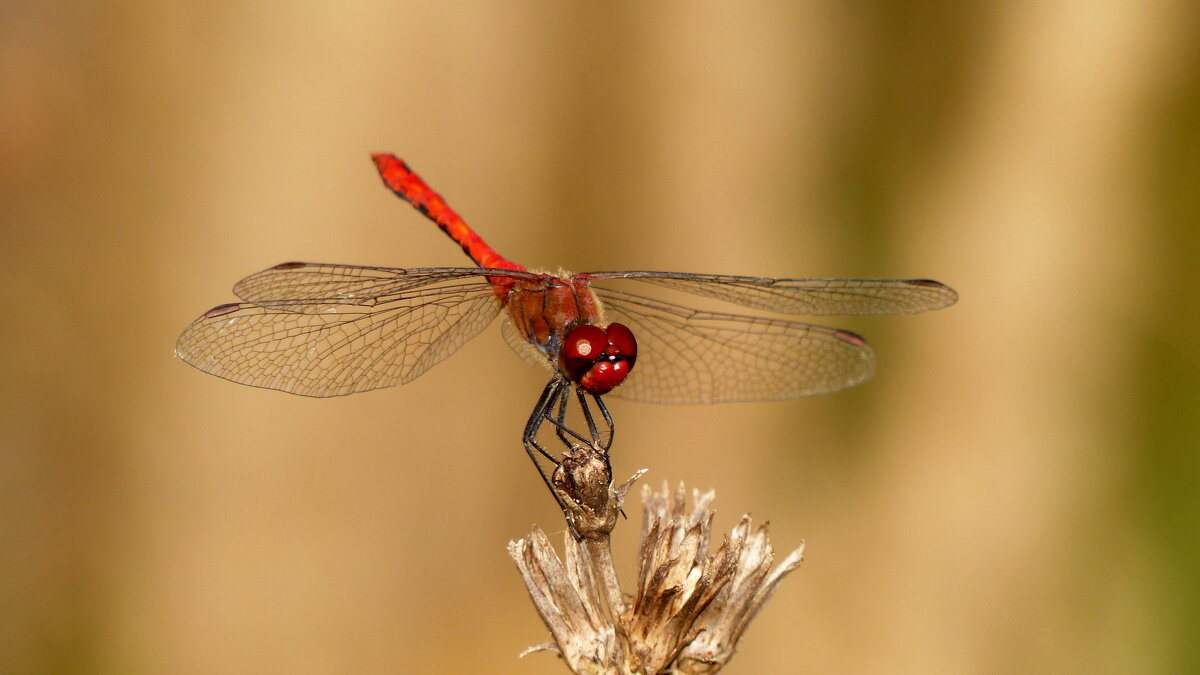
[
  {"x": 689, "y": 356},
  {"x": 313, "y": 288},
  {"x": 524, "y": 349},
  {"x": 350, "y": 332},
  {"x": 811, "y": 297}
]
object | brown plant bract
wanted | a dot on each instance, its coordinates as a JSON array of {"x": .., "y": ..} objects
[{"x": 690, "y": 606}]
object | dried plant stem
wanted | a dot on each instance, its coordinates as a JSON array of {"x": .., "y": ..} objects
[{"x": 599, "y": 555}]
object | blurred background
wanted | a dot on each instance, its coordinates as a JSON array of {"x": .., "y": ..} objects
[{"x": 1015, "y": 491}]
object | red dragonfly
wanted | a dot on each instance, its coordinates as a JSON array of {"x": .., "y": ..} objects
[{"x": 318, "y": 329}]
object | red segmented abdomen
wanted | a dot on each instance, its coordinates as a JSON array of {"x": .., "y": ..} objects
[{"x": 410, "y": 187}]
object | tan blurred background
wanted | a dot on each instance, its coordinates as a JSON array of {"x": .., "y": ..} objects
[{"x": 1015, "y": 491}]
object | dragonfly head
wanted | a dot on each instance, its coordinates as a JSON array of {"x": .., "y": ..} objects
[{"x": 598, "y": 359}]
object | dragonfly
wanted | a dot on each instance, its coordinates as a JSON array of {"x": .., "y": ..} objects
[{"x": 323, "y": 330}]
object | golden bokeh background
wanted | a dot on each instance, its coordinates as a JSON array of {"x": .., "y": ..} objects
[{"x": 1015, "y": 491}]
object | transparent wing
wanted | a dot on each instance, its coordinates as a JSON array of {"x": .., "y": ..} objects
[
  {"x": 527, "y": 351},
  {"x": 811, "y": 297},
  {"x": 330, "y": 330},
  {"x": 314, "y": 287},
  {"x": 690, "y": 356}
]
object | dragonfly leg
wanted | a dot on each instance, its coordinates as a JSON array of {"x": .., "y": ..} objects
[
  {"x": 608, "y": 421},
  {"x": 560, "y": 425},
  {"x": 612, "y": 431},
  {"x": 560, "y": 422},
  {"x": 549, "y": 398},
  {"x": 587, "y": 416},
  {"x": 552, "y": 407},
  {"x": 598, "y": 440}
]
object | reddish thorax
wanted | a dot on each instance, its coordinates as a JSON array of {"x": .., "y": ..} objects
[{"x": 544, "y": 309}]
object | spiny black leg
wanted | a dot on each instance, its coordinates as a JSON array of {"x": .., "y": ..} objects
[
  {"x": 587, "y": 415},
  {"x": 568, "y": 431},
  {"x": 612, "y": 431},
  {"x": 560, "y": 421},
  {"x": 550, "y": 396},
  {"x": 608, "y": 420}
]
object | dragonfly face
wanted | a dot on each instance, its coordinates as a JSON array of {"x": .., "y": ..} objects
[{"x": 598, "y": 359}]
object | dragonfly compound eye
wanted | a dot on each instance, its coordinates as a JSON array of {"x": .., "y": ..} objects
[
  {"x": 598, "y": 360},
  {"x": 605, "y": 375},
  {"x": 582, "y": 347},
  {"x": 621, "y": 342}
]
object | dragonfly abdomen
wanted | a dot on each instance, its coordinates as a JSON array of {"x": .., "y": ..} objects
[{"x": 409, "y": 187}]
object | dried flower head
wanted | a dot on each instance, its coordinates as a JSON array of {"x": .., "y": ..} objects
[{"x": 690, "y": 606}]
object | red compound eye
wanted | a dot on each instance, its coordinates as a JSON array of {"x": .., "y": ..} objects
[
  {"x": 582, "y": 347},
  {"x": 598, "y": 360},
  {"x": 621, "y": 339},
  {"x": 604, "y": 376}
]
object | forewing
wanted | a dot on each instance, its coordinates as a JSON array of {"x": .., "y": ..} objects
[
  {"x": 315, "y": 287},
  {"x": 689, "y": 356},
  {"x": 811, "y": 297},
  {"x": 346, "y": 329}
]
